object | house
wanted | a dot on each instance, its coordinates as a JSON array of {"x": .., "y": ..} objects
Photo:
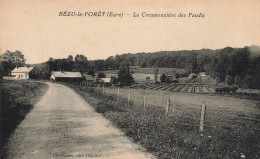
[
  {"x": 89, "y": 78},
  {"x": 66, "y": 76},
  {"x": 23, "y": 72},
  {"x": 192, "y": 75},
  {"x": 202, "y": 74}
]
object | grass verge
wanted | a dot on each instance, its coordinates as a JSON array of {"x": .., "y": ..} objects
[
  {"x": 16, "y": 100},
  {"x": 227, "y": 134}
]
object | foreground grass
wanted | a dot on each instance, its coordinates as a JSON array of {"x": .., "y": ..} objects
[
  {"x": 16, "y": 100},
  {"x": 229, "y": 132}
]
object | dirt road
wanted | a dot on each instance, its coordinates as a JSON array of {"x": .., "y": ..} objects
[{"x": 63, "y": 125}]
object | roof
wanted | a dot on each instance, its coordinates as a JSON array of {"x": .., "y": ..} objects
[
  {"x": 22, "y": 69},
  {"x": 66, "y": 74},
  {"x": 89, "y": 78},
  {"x": 202, "y": 73},
  {"x": 192, "y": 75},
  {"x": 106, "y": 80}
]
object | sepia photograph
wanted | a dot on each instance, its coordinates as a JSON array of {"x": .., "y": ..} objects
[{"x": 133, "y": 79}]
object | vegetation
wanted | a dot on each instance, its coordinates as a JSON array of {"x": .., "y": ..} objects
[
  {"x": 234, "y": 66},
  {"x": 177, "y": 135},
  {"x": 156, "y": 71},
  {"x": 9, "y": 60},
  {"x": 16, "y": 100},
  {"x": 239, "y": 66},
  {"x": 124, "y": 76}
]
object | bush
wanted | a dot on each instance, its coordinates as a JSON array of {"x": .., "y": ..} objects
[
  {"x": 163, "y": 78},
  {"x": 234, "y": 88},
  {"x": 184, "y": 74},
  {"x": 222, "y": 88}
]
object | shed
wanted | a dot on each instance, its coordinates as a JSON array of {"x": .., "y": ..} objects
[
  {"x": 89, "y": 78},
  {"x": 66, "y": 76},
  {"x": 192, "y": 75},
  {"x": 23, "y": 72},
  {"x": 202, "y": 74},
  {"x": 105, "y": 80}
]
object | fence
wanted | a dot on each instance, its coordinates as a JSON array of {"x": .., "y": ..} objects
[
  {"x": 148, "y": 98},
  {"x": 181, "y": 105}
]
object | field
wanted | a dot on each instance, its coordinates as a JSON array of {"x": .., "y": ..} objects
[
  {"x": 231, "y": 126},
  {"x": 16, "y": 100},
  {"x": 186, "y": 88}
]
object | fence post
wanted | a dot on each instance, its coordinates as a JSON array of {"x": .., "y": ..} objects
[
  {"x": 167, "y": 106},
  {"x": 202, "y": 118},
  {"x": 117, "y": 91},
  {"x": 103, "y": 88},
  {"x": 144, "y": 99},
  {"x": 128, "y": 99}
]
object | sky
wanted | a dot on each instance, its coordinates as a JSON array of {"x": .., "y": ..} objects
[{"x": 36, "y": 29}]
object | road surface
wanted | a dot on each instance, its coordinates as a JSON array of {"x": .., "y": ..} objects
[{"x": 63, "y": 125}]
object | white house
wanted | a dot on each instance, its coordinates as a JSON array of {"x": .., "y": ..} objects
[{"x": 23, "y": 72}]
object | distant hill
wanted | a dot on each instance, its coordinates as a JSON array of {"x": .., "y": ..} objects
[{"x": 42, "y": 67}]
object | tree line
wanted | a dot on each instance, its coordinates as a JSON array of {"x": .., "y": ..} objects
[{"x": 239, "y": 66}]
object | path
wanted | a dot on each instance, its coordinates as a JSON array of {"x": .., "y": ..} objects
[{"x": 63, "y": 125}]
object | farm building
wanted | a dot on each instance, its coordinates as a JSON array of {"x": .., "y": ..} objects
[
  {"x": 202, "y": 74},
  {"x": 89, "y": 78},
  {"x": 66, "y": 76},
  {"x": 106, "y": 81},
  {"x": 23, "y": 72},
  {"x": 192, "y": 75}
]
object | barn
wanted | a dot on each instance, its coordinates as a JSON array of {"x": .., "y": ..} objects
[
  {"x": 66, "y": 76},
  {"x": 23, "y": 72}
]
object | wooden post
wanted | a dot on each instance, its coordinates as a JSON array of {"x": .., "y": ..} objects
[
  {"x": 144, "y": 99},
  {"x": 202, "y": 118},
  {"x": 128, "y": 99},
  {"x": 167, "y": 106},
  {"x": 103, "y": 88},
  {"x": 117, "y": 91}
]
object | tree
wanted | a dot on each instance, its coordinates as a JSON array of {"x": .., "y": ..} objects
[
  {"x": 70, "y": 58},
  {"x": 101, "y": 75},
  {"x": 249, "y": 81},
  {"x": 1, "y": 69},
  {"x": 177, "y": 75},
  {"x": 91, "y": 72},
  {"x": 163, "y": 78},
  {"x": 124, "y": 77},
  {"x": 81, "y": 62},
  {"x": 110, "y": 62},
  {"x": 156, "y": 71},
  {"x": 113, "y": 80},
  {"x": 238, "y": 81},
  {"x": 229, "y": 80},
  {"x": 10, "y": 60}
]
